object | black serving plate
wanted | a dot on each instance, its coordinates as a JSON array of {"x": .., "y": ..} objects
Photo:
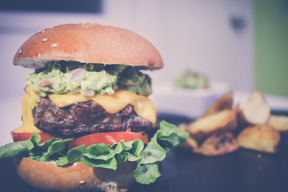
[{"x": 183, "y": 171}]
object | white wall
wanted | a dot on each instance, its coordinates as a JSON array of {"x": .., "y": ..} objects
[{"x": 192, "y": 34}]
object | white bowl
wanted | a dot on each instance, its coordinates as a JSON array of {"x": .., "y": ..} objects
[{"x": 188, "y": 102}]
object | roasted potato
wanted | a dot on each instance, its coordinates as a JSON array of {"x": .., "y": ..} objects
[
  {"x": 213, "y": 146},
  {"x": 190, "y": 144},
  {"x": 254, "y": 111},
  {"x": 224, "y": 102},
  {"x": 219, "y": 145},
  {"x": 262, "y": 138},
  {"x": 279, "y": 122},
  {"x": 220, "y": 122},
  {"x": 223, "y": 129}
]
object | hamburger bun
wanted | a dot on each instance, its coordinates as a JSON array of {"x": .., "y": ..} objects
[
  {"x": 88, "y": 43},
  {"x": 77, "y": 177}
]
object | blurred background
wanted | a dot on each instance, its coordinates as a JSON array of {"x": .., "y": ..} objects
[{"x": 240, "y": 45}]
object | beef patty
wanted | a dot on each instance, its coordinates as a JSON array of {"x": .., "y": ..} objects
[{"x": 84, "y": 118}]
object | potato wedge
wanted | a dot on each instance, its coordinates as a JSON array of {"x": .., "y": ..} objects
[
  {"x": 255, "y": 110},
  {"x": 219, "y": 145},
  {"x": 190, "y": 144},
  {"x": 220, "y": 122},
  {"x": 182, "y": 127},
  {"x": 262, "y": 138},
  {"x": 279, "y": 122},
  {"x": 224, "y": 102}
]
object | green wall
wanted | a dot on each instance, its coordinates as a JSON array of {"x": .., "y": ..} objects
[{"x": 271, "y": 46}]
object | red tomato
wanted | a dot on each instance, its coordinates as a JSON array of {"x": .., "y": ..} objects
[
  {"x": 108, "y": 138},
  {"x": 25, "y": 136}
]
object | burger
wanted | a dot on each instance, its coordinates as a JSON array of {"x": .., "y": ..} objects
[{"x": 87, "y": 120}]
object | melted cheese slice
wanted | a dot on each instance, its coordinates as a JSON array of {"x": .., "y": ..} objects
[
  {"x": 143, "y": 106},
  {"x": 29, "y": 101}
]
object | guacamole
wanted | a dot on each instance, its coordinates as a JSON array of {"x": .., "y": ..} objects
[
  {"x": 88, "y": 79},
  {"x": 191, "y": 80}
]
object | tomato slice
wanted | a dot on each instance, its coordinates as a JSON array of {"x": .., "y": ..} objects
[
  {"x": 26, "y": 136},
  {"x": 108, "y": 138}
]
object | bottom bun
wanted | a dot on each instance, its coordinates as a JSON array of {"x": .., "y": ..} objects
[{"x": 76, "y": 177}]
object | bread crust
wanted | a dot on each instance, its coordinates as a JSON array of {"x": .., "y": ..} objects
[
  {"x": 76, "y": 177},
  {"x": 88, "y": 43}
]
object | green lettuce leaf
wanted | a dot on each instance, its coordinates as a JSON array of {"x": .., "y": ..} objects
[
  {"x": 100, "y": 155},
  {"x": 13, "y": 150},
  {"x": 147, "y": 173},
  {"x": 128, "y": 151},
  {"x": 146, "y": 157}
]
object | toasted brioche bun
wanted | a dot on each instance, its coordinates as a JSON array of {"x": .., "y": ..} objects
[
  {"x": 88, "y": 43},
  {"x": 77, "y": 177}
]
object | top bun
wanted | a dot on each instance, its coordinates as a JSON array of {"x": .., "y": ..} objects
[{"x": 88, "y": 43}]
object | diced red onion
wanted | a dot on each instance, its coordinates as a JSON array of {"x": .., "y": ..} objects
[
  {"x": 77, "y": 74},
  {"x": 45, "y": 83},
  {"x": 87, "y": 92}
]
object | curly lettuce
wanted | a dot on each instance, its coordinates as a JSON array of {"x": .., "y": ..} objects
[{"x": 147, "y": 157}]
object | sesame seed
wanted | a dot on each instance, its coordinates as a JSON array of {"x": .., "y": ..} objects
[
  {"x": 86, "y": 25},
  {"x": 20, "y": 51},
  {"x": 45, "y": 39},
  {"x": 39, "y": 54},
  {"x": 42, "y": 31},
  {"x": 54, "y": 45},
  {"x": 82, "y": 182}
]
